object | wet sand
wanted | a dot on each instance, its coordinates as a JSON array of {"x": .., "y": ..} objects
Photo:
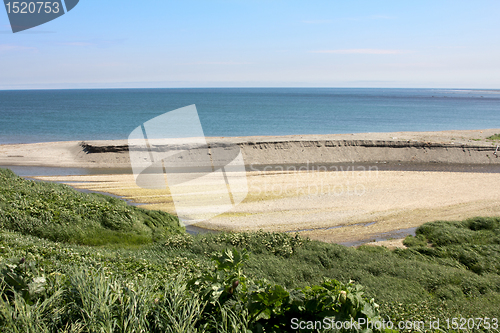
[{"x": 337, "y": 206}]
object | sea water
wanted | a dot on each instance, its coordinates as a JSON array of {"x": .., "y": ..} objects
[{"x": 106, "y": 114}]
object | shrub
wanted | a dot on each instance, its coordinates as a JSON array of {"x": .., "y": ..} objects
[{"x": 411, "y": 241}]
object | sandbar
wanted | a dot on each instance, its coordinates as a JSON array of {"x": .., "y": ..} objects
[{"x": 354, "y": 200}]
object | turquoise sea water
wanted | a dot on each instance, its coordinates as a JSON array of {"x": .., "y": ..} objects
[{"x": 57, "y": 115}]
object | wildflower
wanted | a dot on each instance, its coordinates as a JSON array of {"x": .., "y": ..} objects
[{"x": 343, "y": 296}]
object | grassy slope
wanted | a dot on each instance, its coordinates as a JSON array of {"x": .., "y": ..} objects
[
  {"x": 458, "y": 275},
  {"x": 59, "y": 213}
]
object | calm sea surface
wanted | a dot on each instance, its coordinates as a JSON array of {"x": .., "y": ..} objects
[{"x": 59, "y": 115}]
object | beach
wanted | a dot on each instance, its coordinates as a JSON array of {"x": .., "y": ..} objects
[
  {"x": 345, "y": 188},
  {"x": 457, "y": 147}
]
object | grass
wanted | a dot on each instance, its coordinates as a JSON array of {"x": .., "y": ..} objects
[
  {"x": 167, "y": 282},
  {"x": 494, "y": 137},
  {"x": 59, "y": 213}
]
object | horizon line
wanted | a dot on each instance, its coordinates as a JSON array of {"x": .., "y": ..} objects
[{"x": 248, "y": 87}]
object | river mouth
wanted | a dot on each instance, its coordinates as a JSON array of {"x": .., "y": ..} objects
[
  {"x": 37, "y": 171},
  {"x": 40, "y": 171},
  {"x": 362, "y": 224},
  {"x": 376, "y": 237},
  {"x": 383, "y": 236},
  {"x": 374, "y": 166}
]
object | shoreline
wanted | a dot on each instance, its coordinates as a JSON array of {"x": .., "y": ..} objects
[
  {"x": 42, "y": 171},
  {"x": 418, "y": 177},
  {"x": 455, "y": 147}
]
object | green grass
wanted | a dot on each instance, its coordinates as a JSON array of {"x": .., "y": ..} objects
[
  {"x": 450, "y": 269},
  {"x": 494, "y": 137},
  {"x": 60, "y": 213}
]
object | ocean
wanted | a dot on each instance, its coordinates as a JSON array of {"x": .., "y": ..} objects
[{"x": 106, "y": 114}]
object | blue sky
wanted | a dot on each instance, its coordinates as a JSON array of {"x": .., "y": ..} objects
[{"x": 258, "y": 43}]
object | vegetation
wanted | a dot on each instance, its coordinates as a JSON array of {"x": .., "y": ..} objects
[
  {"x": 221, "y": 299},
  {"x": 170, "y": 281},
  {"x": 494, "y": 137},
  {"x": 59, "y": 213}
]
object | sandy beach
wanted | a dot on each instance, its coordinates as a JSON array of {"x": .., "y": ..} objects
[
  {"x": 343, "y": 195},
  {"x": 465, "y": 147}
]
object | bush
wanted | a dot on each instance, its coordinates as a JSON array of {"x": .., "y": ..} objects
[
  {"x": 281, "y": 244},
  {"x": 411, "y": 241}
]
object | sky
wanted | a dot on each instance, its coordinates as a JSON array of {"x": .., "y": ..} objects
[{"x": 257, "y": 43}]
